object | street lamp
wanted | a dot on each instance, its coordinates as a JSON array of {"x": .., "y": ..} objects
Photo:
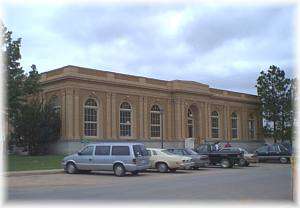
[{"x": 162, "y": 127}]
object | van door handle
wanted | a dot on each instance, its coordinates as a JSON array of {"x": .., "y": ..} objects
[{"x": 90, "y": 159}]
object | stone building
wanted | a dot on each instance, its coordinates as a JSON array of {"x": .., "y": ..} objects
[{"x": 101, "y": 105}]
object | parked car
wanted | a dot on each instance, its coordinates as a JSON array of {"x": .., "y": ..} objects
[
  {"x": 163, "y": 160},
  {"x": 225, "y": 159},
  {"x": 273, "y": 152},
  {"x": 120, "y": 157},
  {"x": 199, "y": 160},
  {"x": 248, "y": 157}
]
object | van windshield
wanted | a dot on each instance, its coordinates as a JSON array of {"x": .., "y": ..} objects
[{"x": 139, "y": 150}]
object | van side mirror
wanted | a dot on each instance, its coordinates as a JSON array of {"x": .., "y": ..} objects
[{"x": 79, "y": 153}]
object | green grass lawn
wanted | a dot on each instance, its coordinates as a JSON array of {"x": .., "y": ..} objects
[{"x": 46, "y": 162}]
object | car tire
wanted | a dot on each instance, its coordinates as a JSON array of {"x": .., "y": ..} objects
[
  {"x": 283, "y": 160},
  {"x": 242, "y": 162},
  {"x": 119, "y": 170},
  {"x": 135, "y": 172},
  {"x": 71, "y": 168},
  {"x": 225, "y": 163},
  {"x": 162, "y": 167},
  {"x": 195, "y": 168}
]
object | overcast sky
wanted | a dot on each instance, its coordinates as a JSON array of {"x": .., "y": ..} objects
[{"x": 225, "y": 46}]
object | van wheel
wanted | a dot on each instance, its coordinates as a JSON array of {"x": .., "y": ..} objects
[
  {"x": 225, "y": 163},
  {"x": 135, "y": 172},
  {"x": 119, "y": 170},
  {"x": 162, "y": 167},
  {"x": 71, "y": 168},
  {"x": 283, "y": 160}
]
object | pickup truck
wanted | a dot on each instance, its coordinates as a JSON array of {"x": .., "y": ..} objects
[{"x": 225, "y": 159}]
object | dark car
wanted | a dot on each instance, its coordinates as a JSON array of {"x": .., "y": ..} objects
[
  {"x": 273, "y": 152},
  {"x": 199, "y": 160},
  {"x": 225, "y": 159}
]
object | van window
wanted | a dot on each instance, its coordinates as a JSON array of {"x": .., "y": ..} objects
[
  {"x": 139, "y": 150},
  {"x": 120, "y": 150},
  {"x": 102, "y": 150},
  {"x": 87, "y": 151},
  {"x": 149, "y": 152}
]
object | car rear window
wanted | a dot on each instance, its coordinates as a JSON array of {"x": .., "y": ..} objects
[
  {"x": 120, "y": 150},
  {"x": 102, "y": 150},
  {"x": 139, "y": 150}
]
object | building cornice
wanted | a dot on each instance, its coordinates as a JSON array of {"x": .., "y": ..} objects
[{"x": 74, "y": 73}]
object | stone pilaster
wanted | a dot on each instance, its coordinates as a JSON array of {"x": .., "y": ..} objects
[
  {"x": 141, "y": 117},
  {"x": 76, "y": 114},
  {"x": 209, "y": 120},
  {"x": 244, "y": 123},
  {"x": 183, "y": 120},
  {"x": 169, "y": 119},
  {"x": 178, "y": 119},
  {"x": 146, "y": 122},
  {"x": 63, "y": 114},
  {"x": 113, "y": 116},
  {"x": 69, "y": 113},
  {"x": 108, "y": 116},
  {"x": 227, "y": 129}
]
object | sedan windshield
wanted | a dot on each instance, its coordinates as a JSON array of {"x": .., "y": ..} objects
[
  {"x": 167, "y": 152},
  {"x": 191, "y": 152}
]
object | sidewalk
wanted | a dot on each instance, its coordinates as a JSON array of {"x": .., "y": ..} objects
[{"x": 33, "y": 172}]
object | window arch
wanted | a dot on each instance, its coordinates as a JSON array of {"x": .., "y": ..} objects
[
  {"x": 190, "y": 123},
  {"x": 251, "y": 127},
  {"x": 90, "y": 117},
  {"x": 125, "y": 119},
  {"x": 234, "y": 127},
  {"x": 155, "y": 121},
  {"x": 215, "y": 124}
]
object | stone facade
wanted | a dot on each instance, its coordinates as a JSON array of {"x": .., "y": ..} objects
[{"x": 72, "y": 86}]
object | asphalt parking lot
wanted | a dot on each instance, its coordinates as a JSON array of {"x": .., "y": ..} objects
[{"x": 262, "y": 181}]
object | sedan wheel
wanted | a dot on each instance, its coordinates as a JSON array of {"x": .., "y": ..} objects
[
  {"x": 283, "y": 160},
  {"x": 119, "y": 170},
  {"x": 242, "y": 162},
  {"x": 162, "y": 167},
  {"x": 71, "y": 168},
  {"x": 225, "y": 163}
]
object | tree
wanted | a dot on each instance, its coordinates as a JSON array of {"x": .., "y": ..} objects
[
  {"x": 14, "y": 72},
  {"x": 37, "y": 126},
  {"x": 276, "y": 95},
  {"x": 34, "y": 123}
]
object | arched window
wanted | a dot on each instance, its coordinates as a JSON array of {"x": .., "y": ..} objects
[
  {"x": 125, "y": 119},
  {"x": 55, "y": 104},
  {"x": 215, "y": 124},
  {"x": 234, "y": 128},
  {"x": 251, "y": 127},
  {"x": 190, "y": 123},
  {"x": 90, "y": 117},
  {"x": 155, "y": 121}
]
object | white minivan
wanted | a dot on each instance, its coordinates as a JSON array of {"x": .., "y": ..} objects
[{"x": 120, "y": 157}]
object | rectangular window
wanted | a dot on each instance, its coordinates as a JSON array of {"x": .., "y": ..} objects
[
  {"x": 120, "y": 150},
  {"x": 125, "y": 130},
  {"x": 215, "y": 127},
  {"x": 102, "y": 150}
]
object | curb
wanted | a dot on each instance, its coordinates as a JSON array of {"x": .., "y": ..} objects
[{"x": 33, "y": 172}]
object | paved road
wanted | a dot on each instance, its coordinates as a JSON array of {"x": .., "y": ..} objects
[{"x": 261, "y": 182}]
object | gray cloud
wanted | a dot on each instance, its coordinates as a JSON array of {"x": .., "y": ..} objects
[{"x": 224, "y": 46}]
